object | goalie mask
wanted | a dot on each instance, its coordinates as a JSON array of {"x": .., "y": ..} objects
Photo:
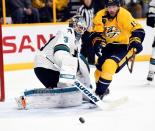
[{"x": 78, "y": 23}]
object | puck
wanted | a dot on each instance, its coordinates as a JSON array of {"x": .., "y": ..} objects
[{"x": 81, "y": 119}]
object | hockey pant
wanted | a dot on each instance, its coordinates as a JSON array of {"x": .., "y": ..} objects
[{"x": 114, "y": 58}]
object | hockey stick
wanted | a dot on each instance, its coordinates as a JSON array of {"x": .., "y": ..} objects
[
  {"x": 86, "y": 91},
  {"x": 110, "y": 105},
  {"x": 116, "y": 103},
  {"x": 89, "y": 94},
  {"x": 132, "y": 60}
]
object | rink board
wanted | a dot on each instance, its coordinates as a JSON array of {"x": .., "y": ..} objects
[{"x": 20, "y": 43}]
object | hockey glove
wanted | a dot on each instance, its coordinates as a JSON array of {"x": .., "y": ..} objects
[
  {"x": 137, "y": 46},
  {"x": 150, "y": 21},
  {"x": 99, "y": 44},
  {"x": 136, "y": 40}
]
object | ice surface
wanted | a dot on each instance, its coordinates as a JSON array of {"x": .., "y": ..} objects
[{"x": 138, "y": 114}]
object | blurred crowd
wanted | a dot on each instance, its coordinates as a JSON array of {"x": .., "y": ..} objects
[{"x": 39, "y": 11}]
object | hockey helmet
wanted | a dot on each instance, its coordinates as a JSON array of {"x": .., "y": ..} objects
[
  {"x": 112, "y": 2},
  {"x": 78, "y": 23}
]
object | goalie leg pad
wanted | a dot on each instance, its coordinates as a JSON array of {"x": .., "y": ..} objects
[{"x": 53, "y": 98}]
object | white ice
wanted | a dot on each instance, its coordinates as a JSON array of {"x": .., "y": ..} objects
[{"x": 137, "y": 114}]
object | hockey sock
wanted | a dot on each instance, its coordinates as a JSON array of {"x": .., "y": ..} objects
[{"x": 102, "y": 86}]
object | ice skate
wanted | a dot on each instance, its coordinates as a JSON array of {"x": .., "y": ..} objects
[
  {"x": 101, "y": 96},
  {"x": 104, "y": 94},
  {"x": 21, "y": 103},
  {"x": 150, "y": 76}
]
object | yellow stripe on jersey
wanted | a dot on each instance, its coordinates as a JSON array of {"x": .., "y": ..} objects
[
  {"x": 129, "y": 55},
  {"x": 135, "y": 39}
]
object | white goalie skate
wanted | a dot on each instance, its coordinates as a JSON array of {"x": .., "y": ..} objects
[{"x": 21, "y": 103}]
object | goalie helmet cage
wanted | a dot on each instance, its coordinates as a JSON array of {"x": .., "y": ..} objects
[{"x": 2, "y": 93}]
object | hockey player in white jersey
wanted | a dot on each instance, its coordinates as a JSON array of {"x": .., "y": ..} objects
[
  {"x": 151, "y": 23},
  {"x": 58, "y": 63}
]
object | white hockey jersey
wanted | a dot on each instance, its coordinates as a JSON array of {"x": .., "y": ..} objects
[
  {"x": 60, "y": 54},
  {"x": 63, "y": 44}
]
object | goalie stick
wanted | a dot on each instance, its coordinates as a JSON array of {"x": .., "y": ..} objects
[
  {"x": 110, "y": 105},
  {"x": 104, "y": 106}
]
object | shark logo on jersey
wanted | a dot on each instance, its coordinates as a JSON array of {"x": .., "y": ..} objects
[{"x": 111, "y": 31}]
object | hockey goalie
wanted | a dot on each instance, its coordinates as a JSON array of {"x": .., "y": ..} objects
[{"x": 57, "y": 65}]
